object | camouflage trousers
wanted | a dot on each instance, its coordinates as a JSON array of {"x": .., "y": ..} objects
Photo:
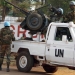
[{"x": 5, "y": 49}]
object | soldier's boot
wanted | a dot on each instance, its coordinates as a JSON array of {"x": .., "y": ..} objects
[{"x": 8, "y": 70}]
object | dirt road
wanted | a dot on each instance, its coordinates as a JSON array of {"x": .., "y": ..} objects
[{"x": 36, "y": 71}]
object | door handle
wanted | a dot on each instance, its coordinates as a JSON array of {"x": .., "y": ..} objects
[{"x": 48, "y": 49}]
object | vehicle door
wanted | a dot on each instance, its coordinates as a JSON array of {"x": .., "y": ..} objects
[{"x": 61, "y": 51}]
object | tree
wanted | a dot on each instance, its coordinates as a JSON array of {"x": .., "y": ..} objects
[
  {"x": 5, "y": 8},
  {"x": 26, "y": 4},
  {"x": 23, "y": 4}
]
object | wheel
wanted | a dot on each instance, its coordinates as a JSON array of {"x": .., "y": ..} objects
[
  {"x": 24, "y": 62},
  {"x": 34, "y": 21},
  {"x": 49, "y": 69}
]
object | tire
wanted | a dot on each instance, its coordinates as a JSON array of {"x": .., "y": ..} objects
[
  {"x": 49, "y": 69},
  {"x": 34, "y": 21},
  {"x": 24, "y": 62}
]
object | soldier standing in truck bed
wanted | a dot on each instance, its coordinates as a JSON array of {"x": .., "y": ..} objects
[{"x": 71, "y": 15}]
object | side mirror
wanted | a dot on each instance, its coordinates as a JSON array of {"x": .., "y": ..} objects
[{"x": 64, "y": 38}]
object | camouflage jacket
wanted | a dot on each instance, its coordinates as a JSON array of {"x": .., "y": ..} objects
[
  {"x": 69, "y": 17},
  {"x": 6, "y": 36}
]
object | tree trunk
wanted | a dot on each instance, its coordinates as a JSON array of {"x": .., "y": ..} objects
[{"x": 3, "y": 13}]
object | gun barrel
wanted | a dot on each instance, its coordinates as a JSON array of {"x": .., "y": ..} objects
[
  {"x": 26, "y": 12},
  {"x": 42, "y": 7}
]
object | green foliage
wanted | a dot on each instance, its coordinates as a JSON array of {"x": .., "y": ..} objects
[
  {"x": 3, "y": 3},
  {"x": 5, "y": 8},
  {"x": 60, "y": 3},
  {"x": 25, "y": 4}
]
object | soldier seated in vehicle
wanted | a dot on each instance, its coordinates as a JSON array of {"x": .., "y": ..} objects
[
  {"x": 71, "y": 15},
  {"x": 57, "y": 14}
]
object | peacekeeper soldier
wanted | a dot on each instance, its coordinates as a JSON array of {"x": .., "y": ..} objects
[
  {"x": 6, "y": 37},
  {"x": 57, "y": 15},
  {"x": 71, "y": 15},
  {"x": 60, "y": 14}
]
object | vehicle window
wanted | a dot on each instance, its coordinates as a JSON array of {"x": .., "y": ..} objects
[{"x": 63, "y": 31}]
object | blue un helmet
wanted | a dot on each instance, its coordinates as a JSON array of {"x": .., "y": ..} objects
[
  {"x": 72, "y": 5},
  {"x": 6, "y": 24},
  {"x": 60, "y": 11}
]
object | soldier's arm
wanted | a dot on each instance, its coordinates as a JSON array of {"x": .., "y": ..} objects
[
  {"x": 68, "y": 17},
  {"x": 12, "y": 35}
]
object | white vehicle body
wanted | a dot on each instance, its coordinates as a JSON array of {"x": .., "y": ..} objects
[
  {"x": 52, "y": 51},
  {"x": 33, "y": 46}
]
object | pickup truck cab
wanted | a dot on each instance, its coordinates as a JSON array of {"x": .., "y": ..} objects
[{"x": 57, "y": 50}]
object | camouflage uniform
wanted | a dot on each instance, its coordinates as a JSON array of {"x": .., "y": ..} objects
[
  {"x": 71, "y": 15},
  {"x": 6, "y": 37}
]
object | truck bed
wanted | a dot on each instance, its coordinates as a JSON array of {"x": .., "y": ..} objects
[{"x": 34, "y": 47}]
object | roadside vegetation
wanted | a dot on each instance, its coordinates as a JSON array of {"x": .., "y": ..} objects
[{"x": 7, "y": 9}]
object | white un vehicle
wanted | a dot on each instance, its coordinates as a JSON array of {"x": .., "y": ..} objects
[{"x": 57, "y": 50}]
